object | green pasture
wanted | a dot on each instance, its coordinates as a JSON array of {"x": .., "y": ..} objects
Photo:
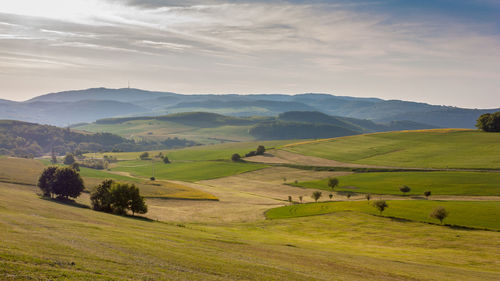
[
  {"x": 439, "y": 183},
  {"x": 441, "y": 148},
  {"x": 474, "y": 214}
]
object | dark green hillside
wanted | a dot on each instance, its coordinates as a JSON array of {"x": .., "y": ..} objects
[
  {"x": 29, "y": 139},
  {"x": 295, "y": 130}
]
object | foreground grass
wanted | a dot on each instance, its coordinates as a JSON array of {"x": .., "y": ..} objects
[
  {"x": 482, "y": 215},
  {"x": 45, "y": 240},
  {"x": 439, "y": 183},
  {"x": 444, "y": 148}
]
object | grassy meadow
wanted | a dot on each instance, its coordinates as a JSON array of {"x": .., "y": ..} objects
[
  {"x": 439, "y": 183},
  {"x": 44, "y": 240},
  {"x": 440, "y": 148},
  {"x": 474, "y": 214}
]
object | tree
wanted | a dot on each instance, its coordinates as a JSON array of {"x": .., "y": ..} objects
[
  {"x": 439, "y": 213},
  {"x": 53, "y": 159},
  {"x": 69, "y": 159},
  {"x": 165, "y": 160},
  {"x": 405, "y": 189},
  {"x": 381, "y": 205},
  {"x": 368, "y": 196},
  {"x": 348, "y": 195},
  {"x": 489, "y": 122},
  {"x": 260, "y": 150},
  {"x": 100, "y": 198},
  {"x": 427, "y": 194},
  {"x": 235, "y": 157},
  {"x": 330, "y": 195},
  {"x": 300, "y": 198},
  {"x": 137, "y": 204},
  {"x": 46, "y": 180},
  {"x": 316, "y": 195},
  {"x": 289, "y": 198},
  {"x": 75, "y": 166},
  {"x": 152, "y": 178},
  {"x": 144, "y": 156},
  {"x": 332, "y": 183},
  {"x": 67, "y": 183}
]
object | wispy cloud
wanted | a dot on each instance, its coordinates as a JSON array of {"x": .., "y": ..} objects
[{"x": 259, "y": 45}]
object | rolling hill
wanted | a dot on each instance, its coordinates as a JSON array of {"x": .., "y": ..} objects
[{"x": 70, "y": 107}]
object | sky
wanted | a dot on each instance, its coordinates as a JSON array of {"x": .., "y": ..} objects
[{"x": 444, "y": 52}]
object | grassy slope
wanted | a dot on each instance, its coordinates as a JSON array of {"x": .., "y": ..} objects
[
  {"x": 27, "y": 171},
  {"x": 41, "y": 239},
  {"x": 442, "y": 183},
  {"x": 468, "y": 214},
  {"x": 426, "y": 149},
  {"x": 186, "y": 171},
  {"x": 156, "y": 129}
]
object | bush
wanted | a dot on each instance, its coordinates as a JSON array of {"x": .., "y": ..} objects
[
  {"x": 236, "y": 157},
  {"x": 381, "y": 205},
  {"x": 405, "y": 189},
  {"x": 439, "y": 213},
  {"x": 260, "y": 150},
  {"x": 144, "y": 156},
  {"x": 62, "y": 182},
  {"x": 69, "y": 159},
  {"x": 368, "y": 196},
  {"x": 427, "y": 194},
  {"x": 316, "y": 195},
  {"x": 165, "y": 160}
]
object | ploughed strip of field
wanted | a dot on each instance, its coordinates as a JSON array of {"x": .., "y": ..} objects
[{"x": 243, "y": 197}]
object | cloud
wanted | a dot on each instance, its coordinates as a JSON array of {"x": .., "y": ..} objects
[{"x": 252, "y": 42}]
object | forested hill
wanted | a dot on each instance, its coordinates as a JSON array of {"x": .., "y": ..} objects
[
  {"x": 24, "y": 139},
  {"x": 71, "y": 107}
]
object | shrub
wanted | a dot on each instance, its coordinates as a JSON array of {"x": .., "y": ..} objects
[
  {"x": 144, "y": 156},
  {"x": 165, "y": 160},
  {"x": 439, "y": 213},
  {"x": 235, "y": 157},
  {"x": 260, "y": 150},
  {"x": 152, "y": 178},
  {"x": 251, "y": 153},
  {"x": 381, "y": 205},
  {"x": 69, "y": 159},
  {"x": 427, "y": 194},
  {"x": 316, "y": 195},
  {"x": 300, "y": 198},
  {"x": 333, "y": 182},
  {"x": 405, "y": 189},
  {"x": 368, "y": 196},
  {"x": 330, "y": 195}
]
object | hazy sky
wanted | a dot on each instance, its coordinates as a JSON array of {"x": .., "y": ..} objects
[{"x": 435, "y": 51}]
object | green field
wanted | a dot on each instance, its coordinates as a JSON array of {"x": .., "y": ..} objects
[
  {"x": 441, "y": 148},
  {"x": 439, "y": 183},
  {"x": 483, "y": 215},
  {"x": 185, "y": 171},
  {"x": 44, "y": 240}
]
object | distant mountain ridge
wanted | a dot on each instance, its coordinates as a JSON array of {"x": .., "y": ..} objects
[{"x": 77, "y": 106}]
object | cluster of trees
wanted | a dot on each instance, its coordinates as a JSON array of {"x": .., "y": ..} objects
[
  {"x": 60, "y": 182},
  {"x": 117, "y": 198},
  {"x": 145, "y": 156},
  {"x": 259, "y": 151},
  {"x": 489, "y": 122},
  {"x": 296, "y": 130}
]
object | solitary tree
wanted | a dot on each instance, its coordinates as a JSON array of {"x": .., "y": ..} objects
[
  {"x": 300, "y": 198},
  {"x": 330, "y": 195},
  {"x": 368, "y": 196},
  {"x": 381, "y": 205},
  {"x": 405, "y": 189},
  {"x": 235, "y": 157},
  {"x": 69, "y": 159},
  {"x": 348, "y": 195},
  {"x": 260, "y": 150},
  {"x": 439, "y": 213},
  {"x": 489, "y": 122},
  {"x": 316, "y": 195},
  {"x": 165, "y": 160},
  {"x": 289, "y": 198},
  {"x": 332, "y": 183},
  {"x": 144, "y": 156},
  {"x": 427, "y": 194}
]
